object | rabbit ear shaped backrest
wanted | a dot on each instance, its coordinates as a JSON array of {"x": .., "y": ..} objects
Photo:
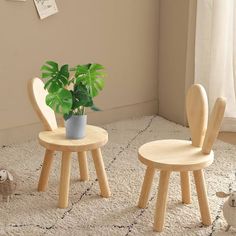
[
  {"x": 37, "y": 95},
  {"x": 214, "y": 124},
  {"x": 197, "y": 113}
]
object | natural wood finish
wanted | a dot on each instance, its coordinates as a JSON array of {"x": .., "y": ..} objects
[
  {"x": 184, "y": 156},
  {"x": 56, "y": 140},
  {"x": 47, "y": 164},
  {"x": 197, "y": 113},
  {"x": 146, "y": 187},
  {"x": 53, "y": 139},
  {"x": 174, "y": 155},
  {"x": 37, "y": 95},
  {"x": 95, "y": 138},
  {"x": 101, "y": 173},
  {"x": 64, "y": 180},
  {"x": 185, "y": 187},
  {"x": 160, "y": 211},
  {"x": 83, "y": 166},
  {"x": 213, "y": 128},
  {"x": 202, "y": 197}
]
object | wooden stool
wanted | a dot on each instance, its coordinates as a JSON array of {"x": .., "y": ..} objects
[
  {"x": 55, "y": 141},
  {"x": 183, "y": 156}
]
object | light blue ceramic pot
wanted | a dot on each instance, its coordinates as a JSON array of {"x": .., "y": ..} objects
[{"x": 75, "y": 126}]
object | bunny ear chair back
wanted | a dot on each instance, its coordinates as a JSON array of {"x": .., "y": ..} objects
[
  {"x": 183, "y": 156},
  {"x": 37, "y": 95}
]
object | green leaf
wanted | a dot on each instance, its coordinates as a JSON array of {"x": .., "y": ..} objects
[
  {"x": 60, "y": 101},
  {"x": 81, "y": 70},
  {"x": 91, "y": 76},
  {"x": 45, "y": 75},
  {"x": 94, "y": 108},
  {"x": 47, "y": 68},
  {"x": 53, "y": 64},
  {"x": 81, "y": 97},
  {"x": 95, "y": 67},
  {"x": 68, "y": 115},
  {"x": 57, "y": 78}
]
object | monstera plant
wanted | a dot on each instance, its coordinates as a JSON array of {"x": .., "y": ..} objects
[{"x": 71, "y": 91}]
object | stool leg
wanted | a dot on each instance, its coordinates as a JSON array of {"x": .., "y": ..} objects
[
  {"x": 146, "y": 187},
  {"x": 202, "y": 196},
  {"x": 44, "y": 176},
  {"x": 160, "y": 211},
  {"x": 101, "y": 173},
  {"x": 185, "y": 187},
  {"x": 64, "y": 179},
  {"x": 83, "y": 166}
]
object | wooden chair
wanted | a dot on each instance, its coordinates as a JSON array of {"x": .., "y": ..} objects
[
  {"x": 183, "y": 156},
  {"x": 53, "y": 139}
]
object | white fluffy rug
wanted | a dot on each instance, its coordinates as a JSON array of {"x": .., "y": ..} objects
[{"x": 33, "y": 213}]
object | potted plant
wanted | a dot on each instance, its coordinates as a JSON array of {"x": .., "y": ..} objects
[{"x": 71, "y": 91}]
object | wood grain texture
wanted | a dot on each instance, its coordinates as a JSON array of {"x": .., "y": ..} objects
[
  {"x": 53, "y": 139},
  {"x": 197, "y": 113},
  {"x": 184, "y": 156},
  {"x": 83, "y": 166},
  {"x": 159, "y": 217},
  {"x": 202, "y": 197},
  {"x": 37, "y": 95},
  {"x": 146, "y": 187},
  {"x": 174, "y": 155},
  {"x": 185, "y": 187},
  {"x": 101, "y": 173},
  {"x": 47, "y": 165},
  {"x": 56, "y": 140},
  {"x": 64, "y": 180},
  {"x": 214, "y": 124}
]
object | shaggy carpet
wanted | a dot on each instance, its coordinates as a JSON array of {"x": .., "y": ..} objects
[{"x": 34, "y": 213}]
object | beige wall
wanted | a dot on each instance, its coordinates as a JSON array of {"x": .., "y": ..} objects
[
  {"x": 176, "y": 56},
  {"x": 120, "y": 34}
]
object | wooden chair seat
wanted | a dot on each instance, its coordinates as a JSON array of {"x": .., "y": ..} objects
[
  {"x": 53, "y": 139},
  {"x": 174, "y": 155},
  {"x": 183, "y": 156},
  {"x": 96, "y": 137}
]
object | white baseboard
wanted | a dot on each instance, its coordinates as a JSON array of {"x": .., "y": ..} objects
[{"x": 29, "y": 132}]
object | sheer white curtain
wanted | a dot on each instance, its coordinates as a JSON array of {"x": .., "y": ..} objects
[{"x": 215, "y": 54}]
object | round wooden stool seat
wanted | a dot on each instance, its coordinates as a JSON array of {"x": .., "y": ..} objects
[
  {"x": 95, "y": 138},
  {"x": 174, "y": 155},
  {"x": 55, "y": 140},
  {"x": 183, "y": 156}
]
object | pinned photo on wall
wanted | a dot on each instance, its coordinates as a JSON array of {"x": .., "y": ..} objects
[{"x": 46, "y": 8}]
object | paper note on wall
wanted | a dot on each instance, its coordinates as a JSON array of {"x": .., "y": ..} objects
[{"x": 46, "y": 8}]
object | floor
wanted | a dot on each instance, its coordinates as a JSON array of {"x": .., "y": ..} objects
[
  {"x": 36, "y": 213},
  {"x": 228, "y": 137}
]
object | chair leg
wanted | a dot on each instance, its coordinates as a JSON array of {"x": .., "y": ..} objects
[
  {"x": 64, "y": 179},
  {"x": 146, "y": 187},
  {"x": 160, "y": 211},
  {"x": 101, "y": 173},
  {"x": 185, "y": 187},
  {"x": 202, "y": 196},
  {"x": 44, "y": 176},
  {"x": 83, "y": 166}
]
